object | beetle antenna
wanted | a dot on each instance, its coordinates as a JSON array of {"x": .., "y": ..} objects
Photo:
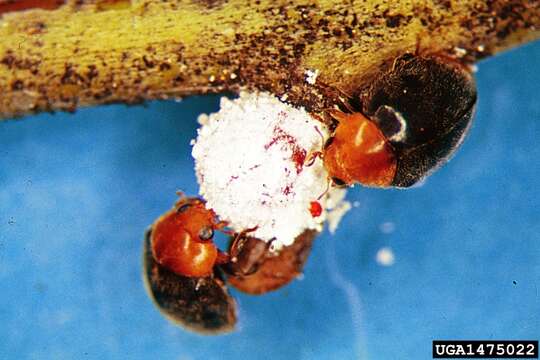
[
  {"x": 321, "y": 135},
  {"x": 312, "y": 156},
  {"x": 326, "y": 190}
]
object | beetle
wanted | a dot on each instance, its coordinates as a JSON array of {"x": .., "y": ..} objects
[
  {"x": 412, "y": 118},
  {"x": 185, "y": 273}
]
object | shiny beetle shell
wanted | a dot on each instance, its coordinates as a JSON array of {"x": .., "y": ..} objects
[
  {"x": 424, "y": 105},
  {"x": 202, "y": 305}
]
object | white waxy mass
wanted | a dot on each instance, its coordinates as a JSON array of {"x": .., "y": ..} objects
[{"x": 250, "y": 164}]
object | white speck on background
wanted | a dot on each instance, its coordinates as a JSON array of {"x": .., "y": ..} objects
[
  {"x": 460, "y": 52},
  {"x": 385, "y": 256},
  {"x": 387, "y": 227},
  {"x": 311, "y": 76},
  {"x": 249, "y": 161}
]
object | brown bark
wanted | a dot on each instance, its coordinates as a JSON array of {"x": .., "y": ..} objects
[{"x": 95, "y": 52}]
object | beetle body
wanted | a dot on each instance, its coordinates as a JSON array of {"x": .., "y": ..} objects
[{"x": 422, "y": 106}]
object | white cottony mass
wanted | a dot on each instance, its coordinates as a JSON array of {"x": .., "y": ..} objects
[{"x": 250, "y": 161}]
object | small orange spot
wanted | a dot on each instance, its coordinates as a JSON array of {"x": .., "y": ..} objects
[{"x": 315, "y": 208}]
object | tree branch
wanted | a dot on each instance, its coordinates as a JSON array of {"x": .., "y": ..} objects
[{"x": 94, "y": 52}]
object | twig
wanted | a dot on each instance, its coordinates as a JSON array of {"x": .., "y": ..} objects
[{"x": 96, "y": 52}]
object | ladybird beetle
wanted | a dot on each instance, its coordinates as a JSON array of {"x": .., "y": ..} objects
[{"x": 413, "y": 118}]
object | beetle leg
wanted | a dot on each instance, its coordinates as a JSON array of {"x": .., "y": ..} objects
[
  {"x": 222, "y": 258},
  {"x": 310, "y": 159},
  {"x": 338, "y": 115},
  {"x": 220, "y": 226}
]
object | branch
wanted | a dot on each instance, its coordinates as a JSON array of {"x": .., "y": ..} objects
[{"x": 102, "y": 51}]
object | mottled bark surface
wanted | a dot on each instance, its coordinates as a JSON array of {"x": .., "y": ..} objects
[{"x": 84, "y": 52}]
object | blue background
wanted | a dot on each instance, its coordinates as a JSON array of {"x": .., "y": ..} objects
[{"x": 77, "y": 192}]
